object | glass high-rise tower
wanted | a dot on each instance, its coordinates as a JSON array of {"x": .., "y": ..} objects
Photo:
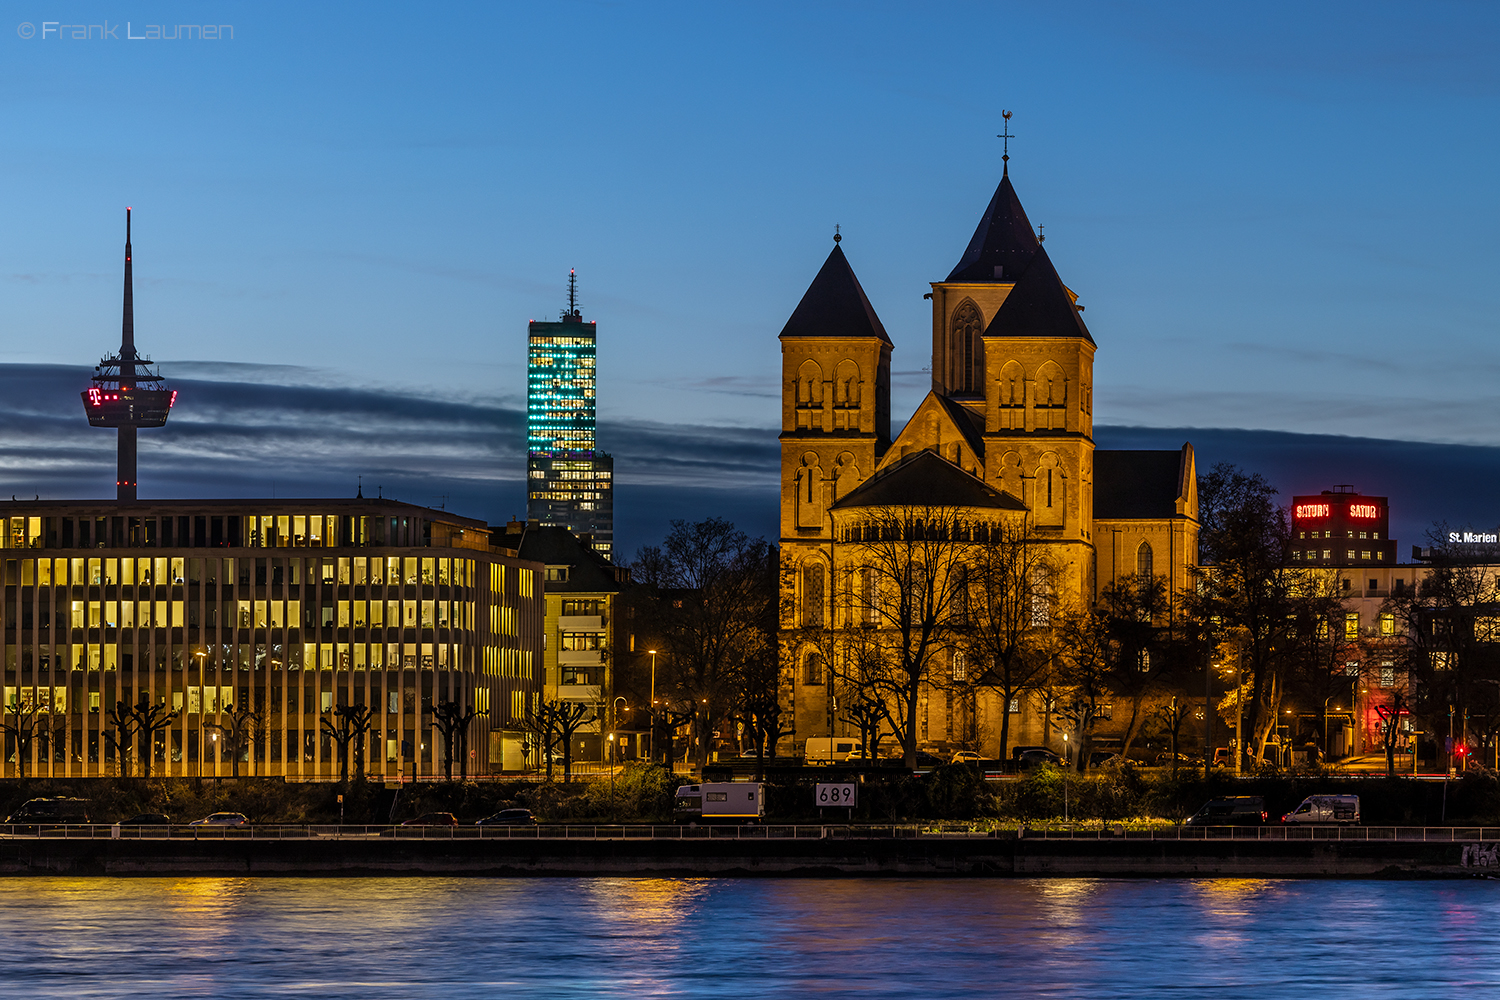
[{"x": 569, "y": 482}]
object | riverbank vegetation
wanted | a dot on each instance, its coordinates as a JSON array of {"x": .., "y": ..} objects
[{"x": 642, "y": 793}]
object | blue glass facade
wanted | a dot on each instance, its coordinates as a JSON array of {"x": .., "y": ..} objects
[{"x": 569, "y": 482}]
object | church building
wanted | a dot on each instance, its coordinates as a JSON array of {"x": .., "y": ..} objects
[{"x": 1005, "y": 435}]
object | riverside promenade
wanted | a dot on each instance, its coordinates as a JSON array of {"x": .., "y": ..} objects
[{"x": 823, "y": 850}]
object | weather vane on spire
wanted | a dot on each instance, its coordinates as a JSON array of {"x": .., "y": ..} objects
[
  {"x": 836, "y": 236},
  {"x": 1005, "y": 134}
]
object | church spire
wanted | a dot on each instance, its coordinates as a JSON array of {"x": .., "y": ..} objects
[
  {"x": 835, "y": 305},
  {"x": 1003, "y": 242}
]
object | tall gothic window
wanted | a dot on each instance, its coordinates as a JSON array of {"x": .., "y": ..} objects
[
  {"x": 968, "y": 349},
  {"x": 812, "y": 669},
  {"x": 1143, "y": 563},
  {"x": 812, "y": 595}
]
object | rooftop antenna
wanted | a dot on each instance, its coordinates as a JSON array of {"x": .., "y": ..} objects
[
  {"x": 1005, "y": 134},
  {"x": 836, "y": 236},
  {"x": 359, "y": 494},
  {"x": 1041, "y": 237},
  {"x": 572, "y": 311}
]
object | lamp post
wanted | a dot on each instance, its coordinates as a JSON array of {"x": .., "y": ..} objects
[
  {"x": 611, "y": 775},
  {"x": 653, "y": 703},
  {"x": 615, "y": 707}
]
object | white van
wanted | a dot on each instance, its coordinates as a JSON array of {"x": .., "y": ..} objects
[
  {"x": 1326, "y": 810},
  {"x": 830, "y": 749}
]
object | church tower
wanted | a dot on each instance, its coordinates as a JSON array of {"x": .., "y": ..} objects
[
  {"x": 835, "y": 418},
  {"x": 1010, "y": 348}
]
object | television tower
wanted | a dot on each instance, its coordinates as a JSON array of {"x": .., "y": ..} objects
[{"x": 125, "y": 393}]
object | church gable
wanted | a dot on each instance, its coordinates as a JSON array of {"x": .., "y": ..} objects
[{"x": 944, "y": 428}]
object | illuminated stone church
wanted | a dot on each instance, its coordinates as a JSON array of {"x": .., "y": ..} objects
[{"x": 1005, "y": 432}]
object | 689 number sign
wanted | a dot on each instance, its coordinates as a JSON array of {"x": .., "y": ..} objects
[{"x": 836, "y": 796}]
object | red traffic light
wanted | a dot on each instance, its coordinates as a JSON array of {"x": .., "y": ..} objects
[{"x": 1460, "y": 750}]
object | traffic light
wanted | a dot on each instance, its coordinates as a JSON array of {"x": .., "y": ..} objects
[{"x": 1460, "y": 751}]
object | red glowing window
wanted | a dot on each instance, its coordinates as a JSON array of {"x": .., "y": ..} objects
[
  {"x": 1304, "y": 511},
  {"x": 1363, "y": 510}
]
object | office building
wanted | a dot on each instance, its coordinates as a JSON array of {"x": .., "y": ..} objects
[
  {"x": 569, "y": 481},
  {"x": 291, "y": 607}
]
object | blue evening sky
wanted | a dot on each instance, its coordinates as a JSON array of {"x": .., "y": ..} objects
[{"x": 1280, "y": 216}]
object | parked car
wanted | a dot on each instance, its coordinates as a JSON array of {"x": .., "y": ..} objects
[
  {"x": 1183, "y": 760},
  {"x": 1330, "y": 809},
  {"x": 433, "y": 819},
  {"x": 1104, "y": 758},
  {"x": 222, "y": 819},
  {"x": 1026, "y": 758},
  {"x": 509, "y": 817},
  {"x": 56, "y": 810},
  {"x": 148, "y": 819},
  {"x": 966, "y": 757},
  {"x": 1236, "y": 810}
]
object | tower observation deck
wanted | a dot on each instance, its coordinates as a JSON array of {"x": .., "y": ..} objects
[{"x": 125, "y": 393}]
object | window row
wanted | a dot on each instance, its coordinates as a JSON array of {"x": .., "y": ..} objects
[{"x": 358, "y": 570}]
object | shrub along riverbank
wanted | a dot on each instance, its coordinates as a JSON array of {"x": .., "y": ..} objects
[{"x": 644, "y": 794}]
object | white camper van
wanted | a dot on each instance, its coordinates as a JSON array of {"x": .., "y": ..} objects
[
  {"x": 721, "y": 802},
  {"x": 1325, "y": 810}
]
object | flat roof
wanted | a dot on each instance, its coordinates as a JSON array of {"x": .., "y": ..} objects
[{"x": 9, "y": 508}]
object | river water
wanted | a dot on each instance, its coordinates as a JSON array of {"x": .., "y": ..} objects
[{"x": 564, "y": 938}]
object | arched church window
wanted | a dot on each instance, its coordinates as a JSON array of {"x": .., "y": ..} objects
[
  {"x": 1041, "y": 597},
  {"x": 812, "y": 595},
  {"x": 968, "y": 349},
  {"x": 812, "y": 668},
  {"x": 1143, "y": 563}
]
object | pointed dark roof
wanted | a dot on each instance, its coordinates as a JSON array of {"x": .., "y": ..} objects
[
  {"x": 1039, "y": 306},
  {"x": 927, "y": 479},
  {"x": 835, "y": 305},
  {"x": 1136, "y": 484},
  {"x": 554, "y": 545},
  {"x": 1003, "y": 240},
  {"x": 966, "y": 421}
]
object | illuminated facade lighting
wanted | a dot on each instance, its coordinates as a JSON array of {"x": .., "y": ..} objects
[
  {"x": 570, "y": 483},
  {"x": 294, "y": 607},
  {"x": 1342, "y": 528}
]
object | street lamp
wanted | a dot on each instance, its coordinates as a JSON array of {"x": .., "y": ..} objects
[
  {"x": 653, "y": 704},
  {"x": 611, "y": 774}
]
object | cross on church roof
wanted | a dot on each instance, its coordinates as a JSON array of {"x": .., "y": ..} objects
[{"x": 1005, "y": 134}]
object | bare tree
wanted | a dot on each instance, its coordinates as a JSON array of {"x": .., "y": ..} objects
[
  {"x": 237, "y": 733},
  {"x": 1172, "y": 717},
  {"x": 908, "y": 584},
  {"x": 142, "y": 721},
  {"x": 541, "y": 728},
  {"x": 1091, "y": 656},
  {"x": 1011, "y": 606},
  {"x": 22, "y": 718},
  {"x": 568, "y": 718},
  {"x": 867, "y": 715},
  {"x": 1391, "y": 716},
  {"x": 713, "y": 603},
  {"x": 452, "y": 720},
  {"x": 348, "y": 732},
  {"x": 123, "y": 728},
  {"x": 1449, "y": 632},
  {"x": 1248, "y": 593}
]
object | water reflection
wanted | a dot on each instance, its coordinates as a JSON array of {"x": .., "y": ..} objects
[{"x": 566, "y": 938}]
